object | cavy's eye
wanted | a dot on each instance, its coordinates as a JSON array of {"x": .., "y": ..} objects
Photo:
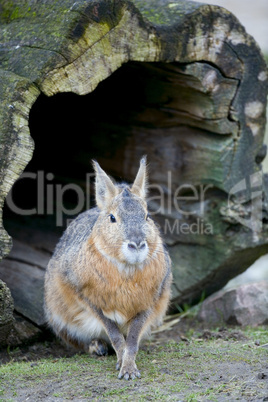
[{"x": 112, "y": 218}]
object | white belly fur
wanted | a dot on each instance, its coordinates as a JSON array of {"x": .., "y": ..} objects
[
  {"x": 115, "y": 316},
  {"x": 84, "y": 327}
]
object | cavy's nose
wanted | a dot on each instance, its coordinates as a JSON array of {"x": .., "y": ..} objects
[
  {"x": 134, "y": 246},
  {"x": 142, "y": 245}
]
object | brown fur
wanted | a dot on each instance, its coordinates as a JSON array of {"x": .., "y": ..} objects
[
  {"x": 93, "y": 282},
  {"x": 128, "y": 295}
]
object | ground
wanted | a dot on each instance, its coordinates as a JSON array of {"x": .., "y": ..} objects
[{"x": 185, "y": 363}]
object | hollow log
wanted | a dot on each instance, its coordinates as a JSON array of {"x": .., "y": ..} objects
[{"x": 179, "y": 81}]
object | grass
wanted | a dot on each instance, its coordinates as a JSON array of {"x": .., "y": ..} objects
[{"x": 190, "y": 371}]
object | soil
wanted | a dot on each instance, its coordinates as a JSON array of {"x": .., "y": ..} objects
[{"x": 187, "y": 362}]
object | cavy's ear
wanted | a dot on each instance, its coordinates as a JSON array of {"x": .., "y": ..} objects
[
  {"x": 139, "y": 186},
  {"x": 105, "y": 190}
]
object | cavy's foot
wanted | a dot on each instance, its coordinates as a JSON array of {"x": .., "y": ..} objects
[
  {"x": 120, "y": 353},
  {"x": 98, "y": 347},
  {"x": 119, "y": 361},
  {"x": 129, "y": 371}
]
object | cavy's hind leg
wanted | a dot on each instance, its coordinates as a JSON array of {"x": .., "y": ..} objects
[{"x": 98, "y": 347}]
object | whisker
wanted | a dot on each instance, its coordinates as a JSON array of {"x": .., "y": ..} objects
[{"x": 151, "y": 252}]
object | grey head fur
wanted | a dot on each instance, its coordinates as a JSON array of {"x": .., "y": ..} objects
[
  {"x": 133, "y": 216},
  {"x": 132, "y": 213}
]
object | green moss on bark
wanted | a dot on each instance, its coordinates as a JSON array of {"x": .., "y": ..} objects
[{"x": 165, "y": 12}]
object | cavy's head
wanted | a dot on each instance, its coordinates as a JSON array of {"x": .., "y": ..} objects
[{"x": 124, "y": 233}]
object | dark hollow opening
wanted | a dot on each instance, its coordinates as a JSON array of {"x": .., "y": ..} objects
[
  {"x": 156, "y": 109},
  {"x": 69, "y": 131},
  {"x": 142, "y": 108}
]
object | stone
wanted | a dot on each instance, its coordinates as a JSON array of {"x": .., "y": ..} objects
[
  {"x": 6, "y": 313},
  {"x": 23, "y": 332},
  {"x": 244, "y": 305}
]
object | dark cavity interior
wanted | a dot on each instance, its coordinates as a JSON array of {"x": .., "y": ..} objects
[{"x": 156, "y": 109}]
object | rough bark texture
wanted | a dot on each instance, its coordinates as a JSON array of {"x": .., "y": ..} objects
[
  {"x": 6, "y": 312},
  {"x": 199, "y": 116}
]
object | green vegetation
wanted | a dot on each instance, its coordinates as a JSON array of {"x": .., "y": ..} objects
[{"x": 194, "y": 370}]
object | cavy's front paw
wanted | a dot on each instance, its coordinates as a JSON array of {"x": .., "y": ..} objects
[{"x": 129, "y": 371}]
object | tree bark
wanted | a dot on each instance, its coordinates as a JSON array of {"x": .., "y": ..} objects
[{"x": 6, "y": 312}]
